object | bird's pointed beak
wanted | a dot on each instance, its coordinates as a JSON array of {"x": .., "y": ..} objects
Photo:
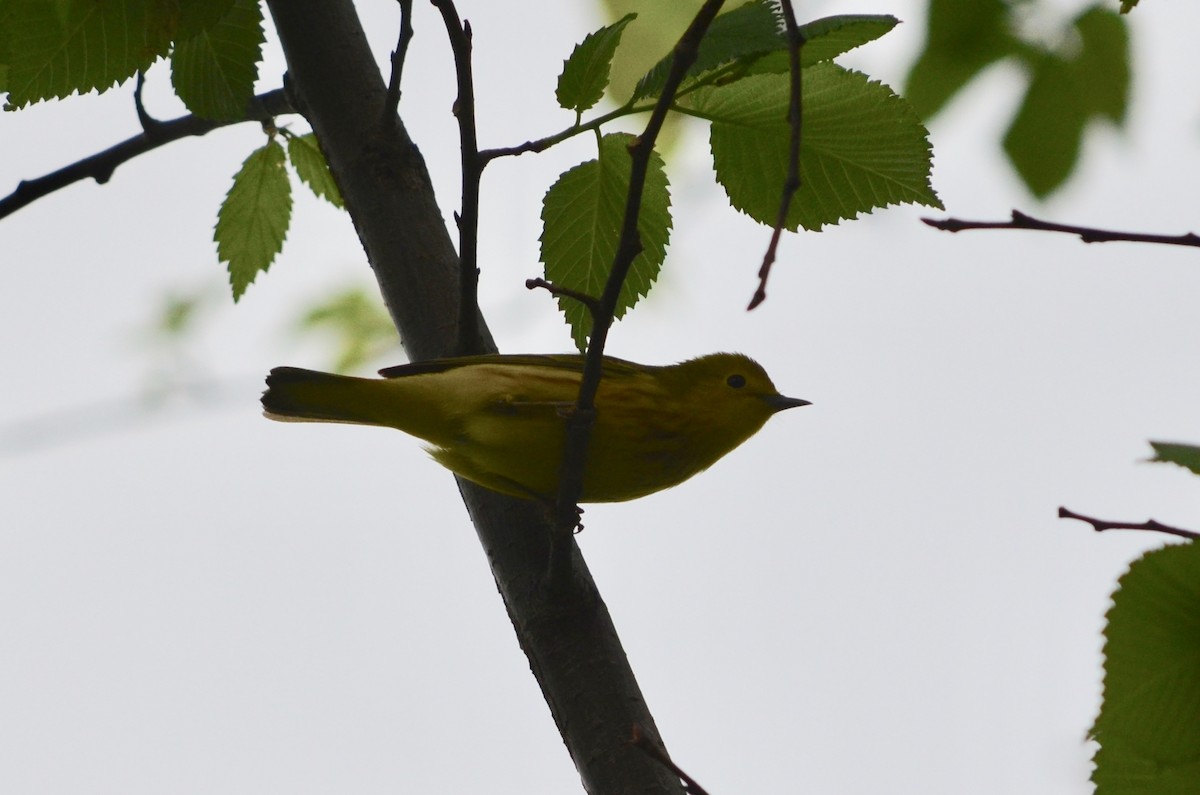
[{"x": 781, "y": 402}]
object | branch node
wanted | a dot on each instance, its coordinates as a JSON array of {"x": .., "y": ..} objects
[
  {"x": 150, "y": 125},
  {"x": 592, "y": 304}
]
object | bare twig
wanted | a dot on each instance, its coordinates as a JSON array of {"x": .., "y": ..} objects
[
  {"x": 101, "y": 165},
  {"x": 148, "y": 122},
  {"x": 792, "y": 183},
  {"x": 579, "y": 423},
  {"x": 472, "y": 170},
  {"x": 1100, "y": 525},
  {"x": 542, "y": 144},
  {"x": 651, "y": 748},
  {"x": 593, "y": 306},
  {"x": 1086, "y": 233},
  {"x": 392, "y": 102}
]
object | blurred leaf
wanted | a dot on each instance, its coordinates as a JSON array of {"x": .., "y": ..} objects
[
  {"x": 1185, "y": 455},
  {"x": 254, "y": 217},
  {"x": 862, "y": 147},
  {"x": 58, "y": 48},
  {"x": 312, "y": 168},
  {"x": 962, "y": 37},
  {"x": 214, "y": 71},
  {"x": 1147, "y": 727},
  {"x": 1102, "y": 68},
  {"x": 582, "y": 215},
  {"x": 746, "y": 31},
  {"x": 1127, "y": 5},
  {"x": 1043, "y": 140},
  {"x": 359, "y": 323},
  {"x": 585, "y": 74},
  {"x": 658, "y": 26}
]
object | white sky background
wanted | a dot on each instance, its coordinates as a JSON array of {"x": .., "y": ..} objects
[{"x": 872, "y": 595}]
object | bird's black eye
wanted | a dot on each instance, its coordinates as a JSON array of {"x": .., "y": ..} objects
[{"x": 736, "y": 381}]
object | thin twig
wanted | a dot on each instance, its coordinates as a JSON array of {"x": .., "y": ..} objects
[
  {"x": 148, "y": 122},
  {"x": 392, "y": 102},
  {"x": 1100, "y": 525},
  {"x": 593, "y": 306},
  {"x": 644, "y": 743},
  {"x": 1086, "y": 233},
  {"x": 792, "y": 183},
  {"x": 542, "y": 144},
  {"x": 472, "y": 170},
  {"x": 101, "y": 165},
  {"x": 579, "y": 423}
]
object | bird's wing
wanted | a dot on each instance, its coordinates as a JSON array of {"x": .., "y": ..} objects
[{"x": 572, "y": 362}]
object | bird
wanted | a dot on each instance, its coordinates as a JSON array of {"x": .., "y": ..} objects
[{"x": 498, "y": 420}]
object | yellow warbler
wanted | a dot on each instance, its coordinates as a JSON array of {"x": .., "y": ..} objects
[{"x": 498, "y": 420}]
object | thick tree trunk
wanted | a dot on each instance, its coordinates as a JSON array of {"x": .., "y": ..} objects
[{"x": 567, "y": 635}]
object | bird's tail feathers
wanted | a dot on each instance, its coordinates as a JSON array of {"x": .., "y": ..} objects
[{"x": 298, "y": 395}]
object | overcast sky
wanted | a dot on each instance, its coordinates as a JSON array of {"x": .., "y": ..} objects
[{"x": 871, "y": 595}]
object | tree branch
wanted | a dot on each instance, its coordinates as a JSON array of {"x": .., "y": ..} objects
[
  {"x": 1086, "y": 233},
  {"x": 101, "y": 165},
  {"x": 579, "y": 423},
  {"x": 1100, "y": 525},
  {"x": 392, "y": 103},
  {"x": 570, "y": 641},
  {"x": 792, "y": 183},
  {"x": 472, "y": 170}
]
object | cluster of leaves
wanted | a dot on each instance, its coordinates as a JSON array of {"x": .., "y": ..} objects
[
  {"x": 51, "y": 50},
  {"x": 253, "y": 220},
  {"x": 1083, "y": 77},
  {"x": 863, "y": 146}
]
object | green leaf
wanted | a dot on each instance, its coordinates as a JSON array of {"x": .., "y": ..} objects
[
  {"x": 312, "y": 168},
  {"x": 1185, "y": 455},
  {"x": 254, "y": 217},
  {"x": 1147, "y": 727},
  {"x": 1085, "y": 78},
  {"x": 214, "y": 71},
  {"x": 747, "y": 31},
  {"x": 585, "y": 74},
  {"x": 962, "y": 38},
  {"x": 58, "y": 48},
  {"x": 1102, "y": 68},
  {"x": 582, "y": 215},
  {"x": 1127, "y": 5},
  {"x": 6, "y": 24},
  {"x": 197, "y": 16},
  {"x": 1043, "y": 140},
  {"x": 826, "y": 39},
  {"x": 862, "y": 146}
]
